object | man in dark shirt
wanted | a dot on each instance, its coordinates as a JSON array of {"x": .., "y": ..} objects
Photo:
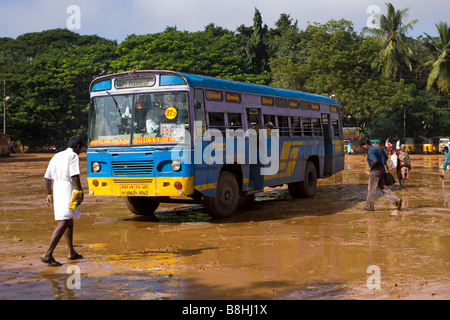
[{"x": 376, "y": 158}]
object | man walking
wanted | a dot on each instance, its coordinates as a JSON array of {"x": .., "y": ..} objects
[
  {"x": 64, "y": 171},
  {"x": 376, "y": 158}
]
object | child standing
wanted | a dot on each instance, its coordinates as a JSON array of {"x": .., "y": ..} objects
[{"x": 446, "y": 161}]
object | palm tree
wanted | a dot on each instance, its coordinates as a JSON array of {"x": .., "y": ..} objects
[
  {"x": 440, "y": 60},
  {"x": 392, "y": 32}
]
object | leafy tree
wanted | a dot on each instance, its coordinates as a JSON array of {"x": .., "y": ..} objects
[
  {"x": 392, "y": 35},
  {"x": 256, "y": 48},
  {"x": 49, "y": 83},
  {"x": 440, "y": 59},
  {"x": 214, "y": 52},
  {"x": 287, "y": 41}
]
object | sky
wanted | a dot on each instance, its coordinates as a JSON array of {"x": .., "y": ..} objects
[{"x": 116, "y": 19}]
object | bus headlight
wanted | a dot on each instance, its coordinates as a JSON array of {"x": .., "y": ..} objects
[
  {"x": 176, "y": 165},
  {"x": 96, "y": 166}
]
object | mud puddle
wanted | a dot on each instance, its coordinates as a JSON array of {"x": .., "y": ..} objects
[{"x": 275, "y": 247}]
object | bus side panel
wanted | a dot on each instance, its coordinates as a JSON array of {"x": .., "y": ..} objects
[
  {"x": 293, "y": 157},
  {"x": 206, "y": 174},
  {"x": 338, "y": 155}
]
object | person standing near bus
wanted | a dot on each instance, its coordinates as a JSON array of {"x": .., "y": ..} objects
[
  {"x": 376, "y": 158},
  {"x": 446, "y": 161},
  {"x": 64, "y": 170}
]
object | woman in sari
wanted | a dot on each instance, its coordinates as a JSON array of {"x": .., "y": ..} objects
[{"x": 403, "y": 166}]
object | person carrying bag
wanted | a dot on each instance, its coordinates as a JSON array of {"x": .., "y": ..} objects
[{"x": 376, "y": 158}]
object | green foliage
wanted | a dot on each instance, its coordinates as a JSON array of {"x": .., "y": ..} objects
[
  {"x": 214, "y": 51},
  {"x": 48, "y": 73},
  {"x": 395, "y": 49},
  {"x": 256, "y": 49},
  {"x": 48, "y": 76},
  {"x": 440, "y": 59}
]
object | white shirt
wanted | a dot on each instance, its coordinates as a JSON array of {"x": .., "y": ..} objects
[{"x": 62, "y": 167}]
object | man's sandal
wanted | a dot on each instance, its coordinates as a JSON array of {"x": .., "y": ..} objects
[{"x": 51, "y": 262}]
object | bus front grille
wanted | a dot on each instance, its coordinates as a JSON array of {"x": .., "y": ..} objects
[{"x": 132, "y": 168}]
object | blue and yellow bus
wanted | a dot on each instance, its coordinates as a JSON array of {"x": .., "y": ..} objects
[{"x": 154, "y": 136}]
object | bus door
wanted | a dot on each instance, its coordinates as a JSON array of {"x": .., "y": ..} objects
[
  {"x": 328, "y": 145},
  {"x": 254, "y": 122}
]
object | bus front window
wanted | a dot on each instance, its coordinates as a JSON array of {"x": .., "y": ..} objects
[
  {"x": 160, "y": 118},
  {"x": 110, "y": 120},
  {"x": 141, "y": 119}
]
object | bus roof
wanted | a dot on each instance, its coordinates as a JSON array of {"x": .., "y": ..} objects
[
  {"x": 228, "y": 85},
  {"x": 221, "y": 84}
]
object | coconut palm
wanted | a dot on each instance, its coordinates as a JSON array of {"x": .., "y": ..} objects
[
  {"x": 392, "y": 33},
  {"x": 440, "y": 59}
]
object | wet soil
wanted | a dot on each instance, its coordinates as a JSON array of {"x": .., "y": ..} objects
[{"x": 275, "y": 247}]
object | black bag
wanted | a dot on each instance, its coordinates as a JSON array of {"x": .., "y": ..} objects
[{"x": 388, "y": 178}]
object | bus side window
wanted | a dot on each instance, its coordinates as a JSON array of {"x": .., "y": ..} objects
[
  {"x": 269, "y": 123},
  {"x": 199, "y": 111},
  {"x": 307, "y": 128},
  {"x": 317, "y": 127},
  {"x": 283, "y": 124},
  {"x": 235, "y": 121},
  {"x": 336, "y": 131},
  {"x": 252, "y": 118},
  {"x": 296, "y": 126},
  {"x": 216, "y": 121}
]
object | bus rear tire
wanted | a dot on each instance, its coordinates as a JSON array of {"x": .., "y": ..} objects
[
  {"x": 308, "y": 186},
  {"x": 144, "y": 206},
  {"x": 226, "y": 200}
]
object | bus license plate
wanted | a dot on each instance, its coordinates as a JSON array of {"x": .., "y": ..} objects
[{"x": 134, "y": 190}]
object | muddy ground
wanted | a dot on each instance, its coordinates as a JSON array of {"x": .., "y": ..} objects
[{"x": 277, "y": 247}]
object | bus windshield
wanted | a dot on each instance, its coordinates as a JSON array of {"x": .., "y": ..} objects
[{"x": 138, "y": 119}]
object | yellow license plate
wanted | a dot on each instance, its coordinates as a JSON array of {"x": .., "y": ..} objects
[{"x": 134, "y": 190}]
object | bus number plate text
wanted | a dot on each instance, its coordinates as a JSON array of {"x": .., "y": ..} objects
[{"x": 134, "y": 190}]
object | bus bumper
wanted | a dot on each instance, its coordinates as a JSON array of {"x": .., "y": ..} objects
[{"x": 144, "y": 187}]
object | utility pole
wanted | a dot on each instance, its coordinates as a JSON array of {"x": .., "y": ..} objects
[
  {"x": 4, "y": 106},
  {"x": 404, "y": 122},
  {"x": 332, "y": 84}
]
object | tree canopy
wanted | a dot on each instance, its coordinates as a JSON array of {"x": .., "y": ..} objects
[{"x": 48, "y": 73}]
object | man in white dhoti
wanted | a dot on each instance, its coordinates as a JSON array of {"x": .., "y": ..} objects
[{"x": 64, "y": 171}]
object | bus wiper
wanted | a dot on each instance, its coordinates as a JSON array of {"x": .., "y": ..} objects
[{"x": 115, "y": 102}]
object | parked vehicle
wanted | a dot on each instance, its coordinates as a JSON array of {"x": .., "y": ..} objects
[
  {"x": 410, "y": 145},
  {"x": 346, "y": 143},
  {"x": 430, "y": 145}
]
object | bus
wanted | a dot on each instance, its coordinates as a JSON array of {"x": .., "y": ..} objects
[{"x": 154, "y": 137}]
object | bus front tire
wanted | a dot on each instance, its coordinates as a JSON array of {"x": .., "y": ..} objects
[
  {"x": 226, "y": 200},
  {"x": 144, "y": 206}
]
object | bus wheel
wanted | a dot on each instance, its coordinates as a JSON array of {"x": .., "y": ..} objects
[
  {"x": 227, "y": 197},
  {"x": 142, "y": 205},
  {"x": 308, "y": 186}
]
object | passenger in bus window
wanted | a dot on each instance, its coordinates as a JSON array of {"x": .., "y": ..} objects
[
  {"x": 152, "y": 118},
  {"x": 141, "y": 110},
  {"x": 268, "y": 124},
  {"x": 253, "y": 118}
]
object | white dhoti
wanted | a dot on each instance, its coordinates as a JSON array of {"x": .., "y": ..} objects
[{"x": 61, "y": 168}]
